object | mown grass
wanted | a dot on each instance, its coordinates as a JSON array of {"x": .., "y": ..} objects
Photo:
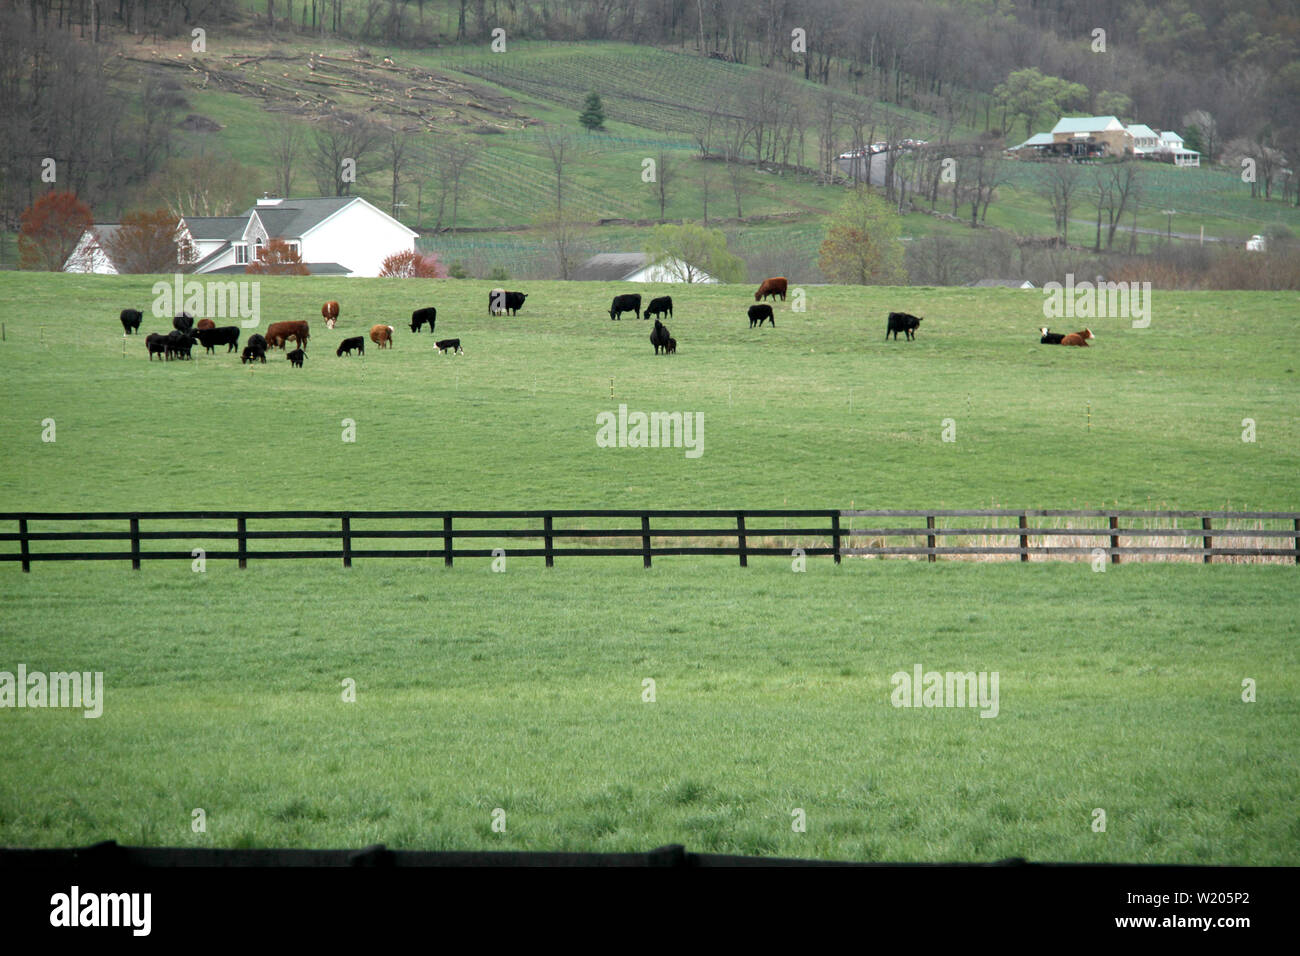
[{"x": 524, "y": 691}]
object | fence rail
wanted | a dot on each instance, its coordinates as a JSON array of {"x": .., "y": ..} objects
[{"x": 649, "y": 533}]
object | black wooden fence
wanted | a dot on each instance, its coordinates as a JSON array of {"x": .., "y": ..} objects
[{"x": 647, "y": 533}]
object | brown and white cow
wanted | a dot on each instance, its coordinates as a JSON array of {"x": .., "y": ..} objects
[
  {"x": 277, "y": 333},
  {"x": 382, "y": 335},
  {"x": 330, "y": 313}
]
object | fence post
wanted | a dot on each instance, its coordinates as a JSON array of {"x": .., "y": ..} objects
[
  {"x": 550, "y": 541},
  {"x": 645, "y": 540},
  {"x": 1024, "y": 538},
  {"x": 27, "y": 565},
  {"x": 1114, "y": 540},
  {"x": 835, "y": 534},
  {"x": 135, "y": 544},
  {"x": 740, "y": 539},
  {"x": 1207, "y": 542},
  {"x": 347, "y": 542},
  {"x": 929, "y": 539},
  {"x": 241, "y": 528},
  {"x": 446, "y": 540},
  {"x": 1296, "y": 525}
]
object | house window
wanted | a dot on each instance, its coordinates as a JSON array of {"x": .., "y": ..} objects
[
  {"x": 257, "y": 249},
  {"x": 241, "y": 255}
]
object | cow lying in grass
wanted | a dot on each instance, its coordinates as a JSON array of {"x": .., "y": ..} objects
[
  {"x": 452, "y": 344},
  {"x": 296, "y": 357},
  {"x": 357, "y": 342},
  {"x": 1050, "y": 337},
  {"x": 1078, "y": 338}
]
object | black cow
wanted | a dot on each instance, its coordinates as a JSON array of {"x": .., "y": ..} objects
[
  {"x": 179, "y": 344},
  {"x": 296, "y": 357},
  {"x": 499, "y": 300},
  {"x": 659, "y": 337},
  {"x": 660, "y": 306},
  {"x": 226, "y": 335},
  {"x": 252, "y": 353},
  {"x": 130, "y": 321},
  {"x": 1049, "y": 337},
  {"x": 672, "y": 347},
  {"x": 902, "y": 322},
  {"x": 156, "y": 343},
  {"x": 625, "y": 303},
  {"x": 183, "y": 322},
  {"x": 421, "y": 316},
  {"x": 357, "y": 342},
  {"x": 453, "y": 344},
  {"x": 758, "y": 314}
]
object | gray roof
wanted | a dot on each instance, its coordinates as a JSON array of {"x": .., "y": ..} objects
[
  {"x": 611, "y": 266},
  {"x": 196, "y": 266},
  {"x": 1001, "y": 283},
  {"x": 314, "y": 268},
  {"x": 291, "y": 218},
  {"x": 216, "y": 227}
]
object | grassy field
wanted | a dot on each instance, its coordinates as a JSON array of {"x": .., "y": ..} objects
[{"x": 523, "y": 690}]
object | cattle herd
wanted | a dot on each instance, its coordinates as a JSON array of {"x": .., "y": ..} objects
[{"x": 178, "y": 343}]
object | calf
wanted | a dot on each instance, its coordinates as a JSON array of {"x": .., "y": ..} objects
[
  {"x": 156, "y": 343},
  {"x": 500, "y": 301},
  {"x": 421, "y": 316},
  {"x": 382, "y": 335},
  {"x": 183, "y": 322},
  {"x": 330, "y": 313},
  {"x": 660, "y": 306},
  {"x": 226, "y": 335},
  {"x": 205, "y": 324},
  {"x": 453, "y": 344},
  {"x": 1078, "y": 338},
  {"x": 771, "y": 287},
  {"x": 1049, "y": 337},
  {"x": 179, "y": 344},
  {"x": 625, "y": 303},
  {"x": 130, "y": 321},
  {"x": 672, "y": 347},
  {"x": 296, "y": 357},
  {"x": 902, "y": 322},
  {"x": 758, "y": 314},
  {"x": 357, "y": 342}
]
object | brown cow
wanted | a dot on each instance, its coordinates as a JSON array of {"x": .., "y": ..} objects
[
  {"x": 277, "y": 333},
  {"x": 1078, "y": 338},
  {"x": 382, "y": 335},
  {"x": 330, "y": 313},
  {"x": 205, "y": 324},
  {"x": 772, "y": 287}
]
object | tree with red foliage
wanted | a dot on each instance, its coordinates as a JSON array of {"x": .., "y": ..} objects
[
  {"x": 278, "y": 259},
  {"x": 51, "y": 227},
  {"x": 146, "y": 242},
  {"x": 413, "y": 265}
]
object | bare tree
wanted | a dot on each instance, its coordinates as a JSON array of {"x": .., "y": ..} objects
[
  {"x": 1058, "y": 184},
  {"x": 665, "y": 173},
  {"x": 344, "y": 144},
  {"x": 285, "y": 144},
  {"x": 398, "y": 156},
  {"x": 452, "y": 157},
  {"x": 560, "y": 148},
  {"x": 704, "y": 177}
]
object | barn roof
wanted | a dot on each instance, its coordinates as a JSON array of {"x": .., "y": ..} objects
[
  {"x": 1086, "y": 124},
  {"x": 611, "y": 266}
]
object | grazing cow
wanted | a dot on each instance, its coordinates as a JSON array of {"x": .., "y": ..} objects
[
  {"x": 226, "y": 335},
  {"x": 1078, "y": 338},
  {"x": 330, "y": 313},
  {"x": 252, "y": 353},
  {"x": 672, "y": 347},
  {"x": 453, "y": 344},
  {"x": 660, "y": 306},
  {"x": 356, "y": 342},
  {"x": 257, "y": 341},
  {"x": 625, "y": 303},
  {"x": 296, "y": 357},
  {"x": 1050, "y": 337},
  {"x": 179, "y": 344},
  {"x": 499, "y": 301},
  {"x": 421, "y": 316},
  {"x": 156, "y": 343},
  {"x": 183, "y": 322},
  {"x": 659, "y": 336},
  {"x": 382, "y": 335},
  {"x": 205, "y": 324},
  {"x": 277, "y": 333},
  {"x": 131, "y": 321},
  {"x": 758, "y": 314},
  {"x": 902, "y": 322},
  {"x": 772, "y": 287}
]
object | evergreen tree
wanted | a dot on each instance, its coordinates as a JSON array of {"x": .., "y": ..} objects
[{"x": 593, "y": 113}]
